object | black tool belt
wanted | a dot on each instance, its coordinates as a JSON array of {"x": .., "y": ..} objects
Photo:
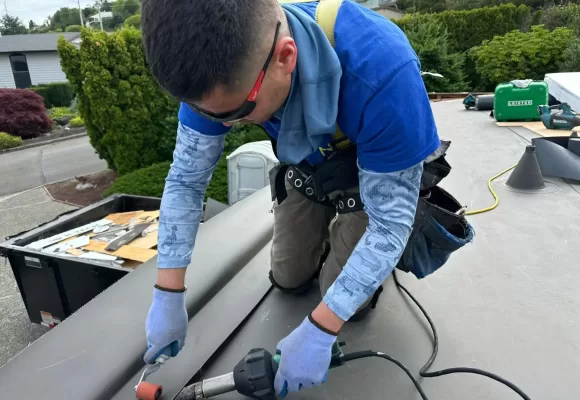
[
  {"x": 338, "y": 173},
  {"x": 304, "y": 185}
]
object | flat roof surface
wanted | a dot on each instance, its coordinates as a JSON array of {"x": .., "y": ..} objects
[{"x": 508, "y": 303}]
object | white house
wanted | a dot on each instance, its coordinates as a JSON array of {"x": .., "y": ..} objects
[
  {"x": 387, "y": 8},
  {"x": 31, "y": 59},
  {"x": 96, "y": 19}
]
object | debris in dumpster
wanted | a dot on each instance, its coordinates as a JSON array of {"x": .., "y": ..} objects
[
  {"x": 75, "y": 252},
  {"x": 125, "y": 239},
  {"x": 68, "y": 244},
  {"x": 40, "y": 244},
  {"x": 127, "y": 251},
  {"x": 123, "y": 218},
  {"x": 97, "y": 256},
  {"x": 110, "y": 233},
  {"x": 101, "y": 229}
]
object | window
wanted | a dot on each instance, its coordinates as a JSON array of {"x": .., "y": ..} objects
[{"x": 20, "y": 71}]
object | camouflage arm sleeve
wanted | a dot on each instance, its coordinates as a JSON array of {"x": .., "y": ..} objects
[{"x": 194, "y": 161}]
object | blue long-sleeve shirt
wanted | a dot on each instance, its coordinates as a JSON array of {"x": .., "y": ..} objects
[{"x": 370, "y": 85}]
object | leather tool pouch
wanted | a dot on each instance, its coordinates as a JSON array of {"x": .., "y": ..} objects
[{"x": 439, "y": 230}]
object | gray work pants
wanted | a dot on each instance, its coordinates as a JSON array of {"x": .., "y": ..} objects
[{"x": 301, "y": 228}]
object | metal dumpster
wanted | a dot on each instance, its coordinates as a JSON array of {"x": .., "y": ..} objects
[{"x": 53, "y": 286}]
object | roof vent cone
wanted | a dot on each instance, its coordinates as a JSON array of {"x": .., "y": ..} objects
[{"x": 527, "y": 174}]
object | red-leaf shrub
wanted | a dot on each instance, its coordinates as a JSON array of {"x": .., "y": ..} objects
[{"x": 22, "y": 113}]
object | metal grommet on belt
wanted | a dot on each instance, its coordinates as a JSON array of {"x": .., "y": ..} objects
[
  {"x": 309, "y": 191},
  {"x": 298, "y": 183},
  {"x": 351, "y": 203},
  {"x": 290, "y": 174},
  {"x": 341, "y": 204}
]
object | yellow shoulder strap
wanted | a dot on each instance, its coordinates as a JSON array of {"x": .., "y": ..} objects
[{"x": 326, "y": 12}]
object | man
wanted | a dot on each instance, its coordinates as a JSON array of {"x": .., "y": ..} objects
[{"x": 272, "y": 65}]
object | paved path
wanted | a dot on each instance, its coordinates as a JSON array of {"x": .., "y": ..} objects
[
  {"x": 20, "y": 213},
  {"x": 26, "y": 169}
]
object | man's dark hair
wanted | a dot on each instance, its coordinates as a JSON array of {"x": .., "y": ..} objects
[{"x": 193, "y": 45}]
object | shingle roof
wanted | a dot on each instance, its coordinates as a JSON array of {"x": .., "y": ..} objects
[{"x": 33, "y": 42}]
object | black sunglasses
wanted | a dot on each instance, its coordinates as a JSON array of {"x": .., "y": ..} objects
[{"x": 250, "y": 102}]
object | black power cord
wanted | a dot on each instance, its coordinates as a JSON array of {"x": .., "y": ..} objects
[{"x": 423, "y": 372}]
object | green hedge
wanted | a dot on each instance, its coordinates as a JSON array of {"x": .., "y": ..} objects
[
  {"x": 468, "y": 28},
  {"x": 134, "y": 21},
  {"x": 130, "y": 120},
  {"x": 74, "y": 28},
  {"x": 76, "y": 122},
  {"x": 61, "y": 112},
  {"x": 150, "y": 181},
  {"x": 430, "y": 41},
  {"x": 57, "y": 94},
  {"x": 8, "y": 141},
  {"x": 571, "y": 57},
  {"x": 522, "y": 55},
  {"x": 560, "y": 16}
]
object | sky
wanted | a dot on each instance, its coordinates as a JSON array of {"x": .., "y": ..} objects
[{"x": 37, "y": 10}]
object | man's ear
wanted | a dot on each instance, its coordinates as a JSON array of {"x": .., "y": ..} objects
[{"x": 286, "y": 55}]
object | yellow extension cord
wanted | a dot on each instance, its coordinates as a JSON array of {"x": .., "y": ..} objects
[{"x": 492, "y": 193}]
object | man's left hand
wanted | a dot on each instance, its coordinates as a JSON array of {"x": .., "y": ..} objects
[{"x": 305, "y": 358}]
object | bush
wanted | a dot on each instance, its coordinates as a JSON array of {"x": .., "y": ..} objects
[
  {"x": 62, "y": 112},
  {"x": 561, "y": 16},
  {"x": 468, "y": 28},
  {"x": 74, "y": 28},
  {"x": 431, "y": 43},
  {"x": 57, "y": 94},
  {"x": 522, "y": 55},
  {"x": 243, "y": 133},
  {"x": 76, "y": 122},
  {"x": 571, "y": 57},
  {"x": 134, "y": 21},
  {"x": 8, "y": 141},
  {"x": 22, "y": 113},
  {"x": 150, "y": 181},
  {"x": 130, "y": 120}
]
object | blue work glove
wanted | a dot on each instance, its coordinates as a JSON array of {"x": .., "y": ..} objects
[
  {"x": 166, "y": 325},
  {"x": 305, "y": 357}
]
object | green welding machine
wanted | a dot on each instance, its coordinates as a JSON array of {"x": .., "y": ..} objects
[{"x": 518, "y": 100}]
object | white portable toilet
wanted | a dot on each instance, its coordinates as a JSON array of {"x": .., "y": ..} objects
[{"x": 248, "y": 169}]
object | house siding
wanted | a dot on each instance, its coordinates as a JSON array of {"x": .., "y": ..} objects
[
  {"x": 44, "y": 67},
  {"x": 6, "y": 77}
]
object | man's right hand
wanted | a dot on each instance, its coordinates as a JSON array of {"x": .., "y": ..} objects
[{"x": 166, "y": 324}]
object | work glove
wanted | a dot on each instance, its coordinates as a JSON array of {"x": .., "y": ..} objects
[
  {"x": 166, "y": 325},
  {"x": 305, "y": 357}
]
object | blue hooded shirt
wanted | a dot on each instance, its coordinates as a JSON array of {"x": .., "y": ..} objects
[{"x": 370, "y": 85}]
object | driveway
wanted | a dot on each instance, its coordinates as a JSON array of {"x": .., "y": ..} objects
[{"x": 26, "y": 169}]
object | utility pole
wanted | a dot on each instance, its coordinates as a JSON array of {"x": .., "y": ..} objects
[
  {"x": 81, "y": 12},
  {"x": 100, "y": 16},
  {"x": 6, "y": 8}
]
